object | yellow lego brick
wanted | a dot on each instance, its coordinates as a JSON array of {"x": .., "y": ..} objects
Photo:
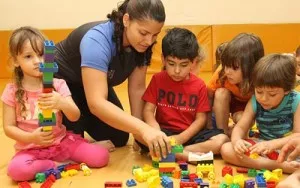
[
  {"x": 47, "y": 128},
  {"x": 228, "y": 179},
  {"x": 47, "y": 113},
  {"x": 239, "y": 179},
  {"x": 278, "y": 172},
  {"x": 166, "y": 165},
  {"x": 254, "y": 155}
]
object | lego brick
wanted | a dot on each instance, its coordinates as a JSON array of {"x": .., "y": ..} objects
[
  {"x": 167, "y": 165},
  {"x": 24, "y": 184},
  {"x": 226, "y": 170},
  {"x": 130, "y": 183},
  {"x": 170, "y": 158},
  {"x": 167, "y": 169},
  {"x": 112, "y": 184},
  {"x": 166, "y": 182},
  {"x": 249, "y": 183},
  {"x": 40, "y": 177},
  {"x": 43, "y": 68}
]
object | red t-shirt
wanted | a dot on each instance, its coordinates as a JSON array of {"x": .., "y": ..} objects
[{"x": 177, "y": 103}]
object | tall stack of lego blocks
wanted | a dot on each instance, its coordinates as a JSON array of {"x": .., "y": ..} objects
[
  {"x": 168, "y": 165},
  {"x": 47, "y": 118}
]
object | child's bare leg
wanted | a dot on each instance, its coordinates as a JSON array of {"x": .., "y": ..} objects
[
  {"x": 221, "y": 107},
  {"x": 229, "y": 155},
  {"x": 107, "y": 144},
  {"x": 213, "y": 144},
  {"x": 292, "y": 181}
]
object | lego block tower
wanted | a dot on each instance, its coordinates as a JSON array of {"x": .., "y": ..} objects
[{"x": 47, "y": 118}]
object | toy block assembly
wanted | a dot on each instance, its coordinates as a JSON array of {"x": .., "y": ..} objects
[{"x": 47, "y": 118}]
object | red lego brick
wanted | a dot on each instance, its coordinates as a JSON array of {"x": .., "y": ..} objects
[
  {"x": 24, "y": 184},
  {"x": 273, "y": 155},
  {"x": 242, "y": 170},
  {"x": 188, "y": 184},
  {"x": 271, "y": 184},
  {"x": 47, "y": 90},
  {"x": 193, "y": 176},
  {"x": 110, "y": 184},
  {"x": 169, "y": 169},
  {"x": 226, "y": 170},
  {"x": 72, "y": 166}
]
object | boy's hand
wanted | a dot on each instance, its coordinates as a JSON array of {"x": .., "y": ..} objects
[
  {"x": 240, "y": 147},
  {"x": 291, "y": 150},
  {"x": 157, "y": 141},
  {"x": 42, "y": 138},
  {"x": 50, "y": 101},
  {"x": 264, "y": 147}
]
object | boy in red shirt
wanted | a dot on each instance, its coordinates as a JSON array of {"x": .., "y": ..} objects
[{"x": 177, "y": 101}]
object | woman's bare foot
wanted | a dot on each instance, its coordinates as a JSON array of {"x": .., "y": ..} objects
[{"x": 107, "y": 144}]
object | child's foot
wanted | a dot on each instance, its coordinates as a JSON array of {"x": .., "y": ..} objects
[
  {"x": 107, "y": 144},
  {"x": 135, "y": 146}
]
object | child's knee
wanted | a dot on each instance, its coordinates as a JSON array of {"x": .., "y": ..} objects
[
  {"x": 19, "y": 172},
  {"x": 99, "y": 159},
  {"x": 222, "y": 94},
  {"x": 226, "y": 149}
]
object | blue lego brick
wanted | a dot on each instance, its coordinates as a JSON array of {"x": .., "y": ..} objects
[
  {"x": 49, "y": 45},
  {"x": 130, "y": 183},
  {"x": 170, "y": 158},
  {"x": 43, "y": 68},
  {"x": 260, "y": 181},
  {"x": 185, "y": 179},
  {"x": 198, "y": 180},
  {"x": 62, "y": 167},
  {"x": 166, "y": 182}
]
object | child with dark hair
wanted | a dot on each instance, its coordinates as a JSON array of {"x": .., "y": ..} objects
[
  {"x": 276, "y": 110},
  {"x": 176, "y": 99},
  {"x": 230, "y": 89}
]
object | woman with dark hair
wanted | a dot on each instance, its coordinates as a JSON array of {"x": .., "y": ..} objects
[{"x": 100, "y": 55}]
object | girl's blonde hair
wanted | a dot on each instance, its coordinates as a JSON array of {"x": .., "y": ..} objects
[
  {"x": 243, "y": 52},
  {"x": 16, "y": 43},
  {"x": 275, "y": 70}
]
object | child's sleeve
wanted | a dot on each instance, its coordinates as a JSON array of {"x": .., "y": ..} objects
[
  {"x": 150, "y": 94},
  {"x": 253, "y": 103},
  {"x": 8, "y": 95},
  {"x": 61, "y": 87},
  {"x": 203, "y": 104},
  {"x": 296, "y": 101}
]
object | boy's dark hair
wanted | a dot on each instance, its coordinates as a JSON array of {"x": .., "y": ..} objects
[
  {"x": 137, "y": 10},
  {"x": 242, "y": 51},
  {"x": 275, "y": 70},
  {"x": 298, "y": 52},
  {"x": 180, "y": 43}
]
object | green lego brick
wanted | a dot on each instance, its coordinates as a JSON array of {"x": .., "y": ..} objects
[{"x": 177, "y": 149}]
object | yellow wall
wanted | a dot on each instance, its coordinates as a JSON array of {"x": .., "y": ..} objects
[{"x": 275, "y": 37}]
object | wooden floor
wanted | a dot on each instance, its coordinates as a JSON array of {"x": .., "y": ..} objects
[{"x": 119, "y": 167}]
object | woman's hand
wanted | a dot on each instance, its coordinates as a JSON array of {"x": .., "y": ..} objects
[
  {"x": 50, "y": 101},
  {"x": 157, "y": 141},
  {"x": 291, "y": 150},
  {"x": 241, "y": 147},
  {"x": 42, "y": 138}
]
